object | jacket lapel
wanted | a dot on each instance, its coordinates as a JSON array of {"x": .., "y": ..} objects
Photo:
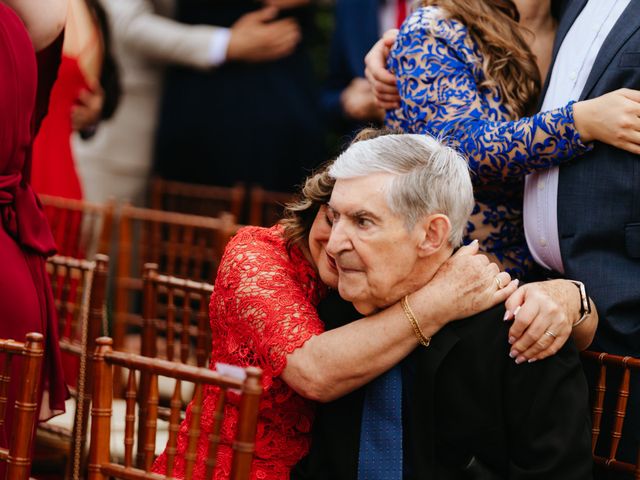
[
  {"x": 626, "y": 25},
  {"x": 428, "y": 361}
]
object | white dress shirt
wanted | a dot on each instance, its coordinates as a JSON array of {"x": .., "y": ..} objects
[{"x": 571, "y": 69}]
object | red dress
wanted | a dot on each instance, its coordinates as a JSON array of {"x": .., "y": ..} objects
[
  {"x": 263, "y": 308},
  {"x": 26, "y": 302},
  {"x": 54, "y": 170}
]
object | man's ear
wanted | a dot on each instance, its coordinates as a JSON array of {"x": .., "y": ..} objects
[{"x": 434, "y": 234}]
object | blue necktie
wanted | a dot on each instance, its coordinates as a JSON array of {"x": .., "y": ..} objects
[{"x": 381, "y": 433}]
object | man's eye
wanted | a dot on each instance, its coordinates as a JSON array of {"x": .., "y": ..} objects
[
  {"x": 328, "y": 217},
  {"x": 364, "y": 222}
]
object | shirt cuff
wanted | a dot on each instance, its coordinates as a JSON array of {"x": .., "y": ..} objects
[{"x": 218, "y": 46}]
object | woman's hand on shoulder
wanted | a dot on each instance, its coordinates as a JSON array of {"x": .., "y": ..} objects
[
  {"x": 543, "y": 314},
  {"x": 612, "y": 118},
  {"x": 466, "y": 284}
]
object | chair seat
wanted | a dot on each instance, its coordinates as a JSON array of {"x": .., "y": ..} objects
[{"x": 65, "y": 421}]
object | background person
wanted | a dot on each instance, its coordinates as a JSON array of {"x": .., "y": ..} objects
[
  {"x": 116, "y": 162},
  {"x": 26, "y": 301}
]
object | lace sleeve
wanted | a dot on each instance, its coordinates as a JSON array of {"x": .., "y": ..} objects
[
  {"x": 440, "y": 96},
  {"x": 266, "y": 297}
]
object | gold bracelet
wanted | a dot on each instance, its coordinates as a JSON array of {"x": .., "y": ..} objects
[{"x": 424, "y": 341}]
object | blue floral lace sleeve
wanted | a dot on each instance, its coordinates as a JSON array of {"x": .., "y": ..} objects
[{"x": 439, "y": 70}]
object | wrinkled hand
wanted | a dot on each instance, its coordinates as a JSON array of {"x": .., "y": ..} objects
[
  {"x": 463, "y": 286},
  {"x": 358, "y": 102},
  {"x": 284, "y": 4},
  {"x": 383, "y": 82},
  {"x": 613, "y": 118},
  {"x": 87, "y": 109},
  {"x": 541, "y": 307},
  {"x": 258, "y": 37}
]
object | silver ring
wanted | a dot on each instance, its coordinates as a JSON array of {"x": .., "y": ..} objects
[
  {"x": 550, "y": 333},
  {"x": 498, "y": 282}
]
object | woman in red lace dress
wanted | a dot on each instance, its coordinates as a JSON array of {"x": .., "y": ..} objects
[
  {"x": 26, "y": 304},
  {"x": 263, "y": 313}
]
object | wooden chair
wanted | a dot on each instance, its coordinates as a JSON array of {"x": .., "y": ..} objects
[
  {"x": 18, "y": 455},
  {"x": 175, "y": 313},
  {"x": 100, "y": 465},
  {"x": 185, "y": 246},
  {"x": 606, "y": 366},
  {"x": 79, "y": 228},
  {"x": 266, "y": 207},
  {"x": 79, "y": 290},
  {"x": 195, "y": 199}
]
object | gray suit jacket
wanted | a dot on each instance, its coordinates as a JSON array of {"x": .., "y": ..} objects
[{"x": 599, "y": 197}]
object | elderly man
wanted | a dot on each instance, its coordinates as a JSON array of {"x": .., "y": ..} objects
[{"x": 457, "y": 407}]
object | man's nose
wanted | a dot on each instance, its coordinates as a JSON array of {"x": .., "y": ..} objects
[{"x": 339, "y": 238}]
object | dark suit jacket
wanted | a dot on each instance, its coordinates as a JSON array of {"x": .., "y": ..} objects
[
  {"x": 253, "y": 122},
  {"x": 356, "y": 30},
  {"x": 599, "y": 197},
  {"x": 474, "y": 413}
]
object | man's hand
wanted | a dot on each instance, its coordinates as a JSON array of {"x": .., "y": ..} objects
[
  {"x": 257, "y": 37},
  {"x": 285, "y": 4},
  {"x": 383, "y": 82},
  {"x": 87, "y": 110},
  {"x": 543, "y": 314},
  {"x": 358, "y": 102}
]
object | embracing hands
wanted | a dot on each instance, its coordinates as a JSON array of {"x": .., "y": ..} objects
[
  {"x": 466, "y": 284},
  {"x": 543, "y": 314},
  {"x": 259, "y": 37}
]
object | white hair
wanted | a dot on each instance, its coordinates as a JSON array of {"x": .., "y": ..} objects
[{"x": 430, "y": 177}]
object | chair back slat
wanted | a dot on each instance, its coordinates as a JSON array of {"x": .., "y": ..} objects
[
  {"x": 150, "y": 423},
  {"x": 174, "y": 425},
  {"x": 214, "y": 438},
  {"x": 81, "y": 229},
  {"x": 194, "y": 432},
  {"x": 130, "y": 419},
  {"x": 617, "y": 370},
  {"x": 101, "y": 467},
  {"x": 5, "y": 378},
  {"x": 267, "y": 207}
]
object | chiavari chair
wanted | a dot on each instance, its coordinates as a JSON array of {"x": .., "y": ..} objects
[
  {"x": 79, "y": 228},
  {"x": 79, "y": 291},
  {"x": 18, "y": 455},
  {"x": 613, "y": 377},
  {"x": 101, "y": 466},
  {"x": 196, "y": 199}
]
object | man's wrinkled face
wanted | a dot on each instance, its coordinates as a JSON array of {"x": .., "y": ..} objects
[{"x": 375, "y": 254}]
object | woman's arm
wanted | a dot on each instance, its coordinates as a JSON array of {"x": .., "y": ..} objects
[
  {"x": 336, "y": 362},
  {"x": 440, "y": 96},
  {"x": 44, "y": 20}
]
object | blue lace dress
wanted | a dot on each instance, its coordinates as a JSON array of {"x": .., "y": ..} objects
[{"x": 439, "y": 71}]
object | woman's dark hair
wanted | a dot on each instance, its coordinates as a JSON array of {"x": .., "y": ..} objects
[{"x": 509, "y": 65}]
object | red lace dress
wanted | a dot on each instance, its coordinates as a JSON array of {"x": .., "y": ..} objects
[{"x": 263, "y": 308}]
